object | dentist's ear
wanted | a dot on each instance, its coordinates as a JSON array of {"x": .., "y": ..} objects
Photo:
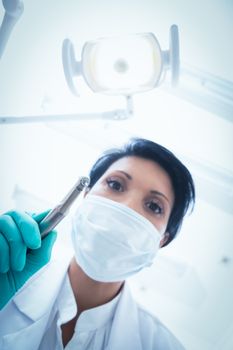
[{"x": 164, "y": 239}]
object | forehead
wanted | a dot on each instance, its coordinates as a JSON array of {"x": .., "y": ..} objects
[{"x": 145, "y": 173}]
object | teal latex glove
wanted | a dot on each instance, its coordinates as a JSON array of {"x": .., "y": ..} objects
[{"x": 22, "y": 252}]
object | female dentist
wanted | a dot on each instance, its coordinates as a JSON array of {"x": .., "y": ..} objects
[{"x": 135, "y": 204}]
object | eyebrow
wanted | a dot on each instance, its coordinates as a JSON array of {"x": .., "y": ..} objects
[
  {"x": 151, "y": 191},
  {"x": 126, "y": 174}
]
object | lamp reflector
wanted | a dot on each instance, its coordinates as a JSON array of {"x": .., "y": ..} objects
[{"x": 122, "y": 65}]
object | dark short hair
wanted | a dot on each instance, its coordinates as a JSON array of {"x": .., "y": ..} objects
[{"x": 181, "y": 178}]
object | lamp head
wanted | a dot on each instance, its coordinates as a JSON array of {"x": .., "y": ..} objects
[{"x": 122, "y": 65}]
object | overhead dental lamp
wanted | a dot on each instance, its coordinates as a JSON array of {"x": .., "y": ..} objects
[
  {"x": 122, "y": 65},
  {"x": 125, "y": 66}
]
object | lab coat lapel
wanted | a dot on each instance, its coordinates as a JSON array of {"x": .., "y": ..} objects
[
  {"x": 125, "y": 332},
  {"x": 36, "y": 297}
]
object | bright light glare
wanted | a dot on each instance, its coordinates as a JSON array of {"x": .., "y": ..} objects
[{"x": 122, "y": 65}]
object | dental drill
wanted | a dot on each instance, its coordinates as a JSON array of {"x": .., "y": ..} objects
[{"x": 60, "y": 211}]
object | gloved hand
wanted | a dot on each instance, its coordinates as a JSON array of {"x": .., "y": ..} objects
[{"x": 22, "y": 252}]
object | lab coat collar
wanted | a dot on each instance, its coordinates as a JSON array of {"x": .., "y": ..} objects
[
  {"x": 97, "y": 317},
  {"x": 89, "y": 320},
  {"x": 35, "y": 299},
  {"x": 125, "y": 335}
]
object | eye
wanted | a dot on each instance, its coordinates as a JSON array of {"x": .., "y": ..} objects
[
  {"x": 115, "y": 185},
  {"x": 155, "y": 207}
]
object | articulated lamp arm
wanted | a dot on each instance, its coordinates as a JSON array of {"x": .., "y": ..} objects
[{"x": 13, "y": 11}]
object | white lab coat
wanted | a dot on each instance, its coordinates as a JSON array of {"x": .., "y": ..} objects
[{"x": 30, "y": 321}]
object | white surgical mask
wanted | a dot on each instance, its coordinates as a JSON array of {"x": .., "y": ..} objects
[{"x": 111, "y": 241}]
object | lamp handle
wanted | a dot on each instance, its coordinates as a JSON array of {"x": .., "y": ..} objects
[
  {"x": 174, "y": 55},
  {"x": 70, "y": 66}
]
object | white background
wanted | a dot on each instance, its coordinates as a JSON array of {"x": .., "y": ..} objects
[{"x": 190, "y": 286}]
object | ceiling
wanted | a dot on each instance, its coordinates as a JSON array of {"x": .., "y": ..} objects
[{"x": 190, "y": 288}]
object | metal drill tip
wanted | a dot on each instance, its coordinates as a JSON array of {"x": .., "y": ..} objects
[{"x": 85, "y": 181}]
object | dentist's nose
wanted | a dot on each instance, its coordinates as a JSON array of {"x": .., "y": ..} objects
[{"x": 133, "y": 203}]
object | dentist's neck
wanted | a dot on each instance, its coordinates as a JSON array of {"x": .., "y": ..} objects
[{"x": 89, "y": 293}]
